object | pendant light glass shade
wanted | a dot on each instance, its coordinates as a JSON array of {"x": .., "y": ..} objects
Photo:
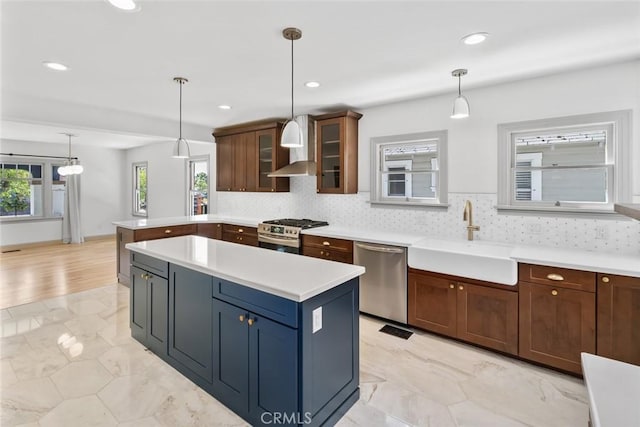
[
  {"x": 460, "y": 105},
  {"x": 292, "y": 133},
  {"x": 181, "y": 148},
  {"x": 71, "y": 166}
]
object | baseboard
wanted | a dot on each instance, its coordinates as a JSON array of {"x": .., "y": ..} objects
[{"x": 9, "y": 248}]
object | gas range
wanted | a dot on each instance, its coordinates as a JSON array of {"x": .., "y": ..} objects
[{"x": 284, "y": 234}]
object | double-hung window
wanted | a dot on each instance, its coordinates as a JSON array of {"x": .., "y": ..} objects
[
  {"x": 566, "y": 164},
  {"x": 140, "y": 189},
  {"x": 198, "y": 182},
  {"x": 409, "y": 169}
]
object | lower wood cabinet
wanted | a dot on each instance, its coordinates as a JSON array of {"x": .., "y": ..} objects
[
  {"x": 481, "y": 314},
  {"x": 618, "y": 330},
  {"x": 240, "y": 234},
  {"x": 211, "y": 231},
  {"x": 557, "y": 319},
  {"x": 246, "y": 342},
  {"x": 190, "y": 320},
  {"x": 330, "y": 248}
]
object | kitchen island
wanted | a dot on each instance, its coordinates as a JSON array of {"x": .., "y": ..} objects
[{"x": 273, "y": 336}]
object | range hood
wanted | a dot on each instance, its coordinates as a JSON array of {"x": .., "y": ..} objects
[{"x": 301, "y": 160}]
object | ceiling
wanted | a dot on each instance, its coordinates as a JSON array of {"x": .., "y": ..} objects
[{"x": 120, "y": 92}]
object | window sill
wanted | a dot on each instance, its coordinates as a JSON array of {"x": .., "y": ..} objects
[
  {"x": 558, "y": 211},
  {"x": 10, "y": 220},
  {"x": 410, "y": 204}
]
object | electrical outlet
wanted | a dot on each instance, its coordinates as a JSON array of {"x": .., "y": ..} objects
[{"x": 602, "y": 232}]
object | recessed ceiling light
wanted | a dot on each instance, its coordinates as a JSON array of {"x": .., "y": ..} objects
[
  {"x": 312, "y": 84},
  {"x": 475, "y": 38},
  {"x": 128, "y": 5},
  {"x": 55, "y": 66},
  {"x": 224, "y": 107}
]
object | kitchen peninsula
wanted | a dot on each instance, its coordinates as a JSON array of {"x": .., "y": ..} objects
[{"x": 273, "y": 336}]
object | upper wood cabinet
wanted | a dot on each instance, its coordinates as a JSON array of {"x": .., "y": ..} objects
[
  {"x": 337, "y": 152},
  {"x": 246, "y": 154}
]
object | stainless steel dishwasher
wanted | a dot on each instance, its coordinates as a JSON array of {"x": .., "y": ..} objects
[{"x": 383, "y": 287}]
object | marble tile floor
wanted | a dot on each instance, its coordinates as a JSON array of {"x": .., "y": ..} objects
[{"x": 70, "y": 361}]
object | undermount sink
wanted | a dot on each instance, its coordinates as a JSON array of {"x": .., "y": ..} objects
[{"x": 481, "y": 260}]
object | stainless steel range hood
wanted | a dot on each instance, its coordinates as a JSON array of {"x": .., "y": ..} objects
[{"x": 301, "y": 160}]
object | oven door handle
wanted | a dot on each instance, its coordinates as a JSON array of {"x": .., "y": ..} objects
[{"x": 294, "y": 243}]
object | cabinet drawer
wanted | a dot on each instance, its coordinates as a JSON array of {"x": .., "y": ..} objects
[
  {"x": 328, "y": 243},
  {"x": 328, "y": 254},
  {"x": 228, "y": 228},
  {"x": 276, "y": 308},
  {"x": 212, "y": 231},
  {"x": 558, "y": 277},
  {"x": 152, "y": 265},
  {"x": 241, "y": 238},
  {"x": 162, "y": 232}
]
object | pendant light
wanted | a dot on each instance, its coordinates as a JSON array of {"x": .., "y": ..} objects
[
  {"x": 181, "y": 149},
  {"x": 460, "y": 105},
  {"x": 72, "y": 166},
  {"x": 292, "y": 132}
]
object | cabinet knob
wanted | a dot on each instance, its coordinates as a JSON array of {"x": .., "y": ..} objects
[
  {"x": 240, "y": 238},
  {"x": 555, "y": 277},
  {"x": 461, "y": 287},
  {"x": 317, "y": 190},
  {"x": 605, "y": 279},
  {"x": 168, "y": 231},
  {"x": 327, "y": 254},
  {"x": 321, "y": 252},
  {"x": 142, "y": 276},
  {"x": 273, "y": 189},
  {"x": 228, "y": 189},
  {"x": 241, "y": 318},
  {"x": 451, "y": 286},
  {"x": 554, "y": 292},
  {"x": 250, "y": 322},
  {"x": 218, "y": 225}
]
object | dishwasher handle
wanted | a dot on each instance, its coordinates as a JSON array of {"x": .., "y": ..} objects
[{"x": 379, "y": 248}]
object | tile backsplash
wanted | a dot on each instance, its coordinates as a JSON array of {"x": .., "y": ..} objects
[{"x": 609, "y": 235}]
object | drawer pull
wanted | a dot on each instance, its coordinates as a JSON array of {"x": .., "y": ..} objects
[
  {"x": 168, "y": 231},
  {"x": 241, "y": 318},
  {"x": 554, "y": 292},
  {"x": 240, "y": 230},
  {"x": 555, "y": 277},
  {"x": 461, "y": 287},
  {"x": 605, "y": 279},
  {"x": 451, "y": 286},
  {"x": 325, "y": 243}
]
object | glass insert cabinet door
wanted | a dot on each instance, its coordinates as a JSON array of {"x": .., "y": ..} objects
[
  {"x": 265, "y": 158},
  {"x": 330, "y": 154}
]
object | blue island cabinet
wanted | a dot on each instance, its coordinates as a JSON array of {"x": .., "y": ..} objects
[{"x": 271, "y": 360}]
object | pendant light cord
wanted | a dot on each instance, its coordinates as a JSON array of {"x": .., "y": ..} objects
[
  {"x": 459, "y": 79},
  {"x": 292, "y": 78},
  {"x": 180, "y": 81}
]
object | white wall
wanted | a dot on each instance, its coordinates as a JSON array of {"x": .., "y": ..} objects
[
  {"x": 166, "y": 179},
  {"x": 100, "y": 192},
  {"x": 472, "y": 147}
]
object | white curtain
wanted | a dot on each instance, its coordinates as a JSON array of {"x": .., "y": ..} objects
[{"x": 71, "y": 221}]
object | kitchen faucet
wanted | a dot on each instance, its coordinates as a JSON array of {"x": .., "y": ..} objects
[{"x": 467, "y": 215}]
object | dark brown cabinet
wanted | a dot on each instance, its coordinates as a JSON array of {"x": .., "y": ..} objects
[
  {"x": 246, "y": 154},
  {"x": 240, "y": 234},
  {"x": 618, "y": 333},
  {"x": 337, "y": 152},
  {"x": 557, "y": 309},
  {"x": 483, "y": 314},
  {"x": 328, "y": 248},
  {"x": 212, "y": 231}
]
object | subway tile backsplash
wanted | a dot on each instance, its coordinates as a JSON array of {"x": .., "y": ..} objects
[{"x": 609, "y": 235}]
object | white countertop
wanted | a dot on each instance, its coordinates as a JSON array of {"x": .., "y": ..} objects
[
  {"x": 370, "y": 236},
  {"x": 614, "y": 391},
  {"x": 290, "y": 276},
  {"x": 137, "y": 224}
]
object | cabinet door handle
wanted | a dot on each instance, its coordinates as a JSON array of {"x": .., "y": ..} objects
[
  {"x": 555, "y": 277},
  {"x": 605, "y": 279},
  {"x": 461, "y": 287},
  {"x": 554, "y": 292},
  {"x": 168, "y": 231},
  {"x": 451, "y": 286},
  {"x": 250, "y": 321},
  {"x": 241, "y": 318},
  {"x": 325, "y": 243}
]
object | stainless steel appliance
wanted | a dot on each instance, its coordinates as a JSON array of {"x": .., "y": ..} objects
[
  {"x": 383, "y": 287},
  {"x": 284, "y": 234}
]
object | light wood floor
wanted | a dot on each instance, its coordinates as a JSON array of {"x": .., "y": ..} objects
[{"x": 37, "y": 273}]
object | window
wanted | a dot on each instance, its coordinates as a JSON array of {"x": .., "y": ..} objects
[
  {"x": 30, "y": 189},
  {"x": 198, "y": 181},
  {"x": 140, "y": 189},
  {"x": 565, "y": 164},
  {"x": 409, "y": 169}
]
